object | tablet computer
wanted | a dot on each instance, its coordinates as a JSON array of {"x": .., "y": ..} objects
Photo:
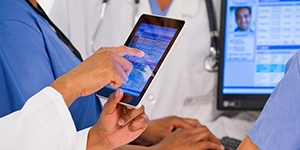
[{"x": 155, "y": 36}]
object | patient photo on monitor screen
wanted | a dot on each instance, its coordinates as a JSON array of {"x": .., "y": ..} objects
[{"x": 242, "y": 19}]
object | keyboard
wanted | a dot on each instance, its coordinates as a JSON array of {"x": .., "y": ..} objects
[{"x": 230, "y": 143}]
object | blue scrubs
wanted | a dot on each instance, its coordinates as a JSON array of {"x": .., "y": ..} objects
[
  {"x": 278, "y": 126},
  {"x": 32, "y": 57}
]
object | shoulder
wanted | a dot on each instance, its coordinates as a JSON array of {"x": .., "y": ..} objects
[
  {"x": 293, "y": 61},
  {"x": 16, "y": 13},
  {"x": 276, "y": 121},
  {"x": 13, "y": 10}
]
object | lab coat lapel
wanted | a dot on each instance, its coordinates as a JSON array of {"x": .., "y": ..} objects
[
  {"x": 180, "y": 8},
  {"x": 143, "y": 7}
]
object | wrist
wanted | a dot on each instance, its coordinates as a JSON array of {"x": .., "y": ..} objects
[
  {"x": 96, "y": 140},
  {"x": 67, "y": 89},
  {"x": 141, "y": 140},
  {"x": 160, "y": 146}
]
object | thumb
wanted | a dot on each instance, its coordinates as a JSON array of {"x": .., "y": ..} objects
[{"x": 111, "y": 105}]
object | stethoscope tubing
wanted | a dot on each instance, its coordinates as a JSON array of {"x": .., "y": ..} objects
[{"x": 102, "y": 15}]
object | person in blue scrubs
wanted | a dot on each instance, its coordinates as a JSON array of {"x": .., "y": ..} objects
[
  {"x": 31, "y": 57},
  {"x": 277, "y": 127}
]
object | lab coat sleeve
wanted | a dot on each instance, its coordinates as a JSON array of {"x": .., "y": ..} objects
[
  {"x": 82, "y": 139},
  {"x": 43, "y": 123}
]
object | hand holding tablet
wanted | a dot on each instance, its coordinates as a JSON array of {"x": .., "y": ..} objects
[{"x": 155, "y": 36}]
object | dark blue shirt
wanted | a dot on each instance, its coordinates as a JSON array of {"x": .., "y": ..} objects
[{"x": 31, "y": 58}]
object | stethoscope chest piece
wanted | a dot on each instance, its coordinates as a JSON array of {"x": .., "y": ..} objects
[{"x": 211, "y": 61}]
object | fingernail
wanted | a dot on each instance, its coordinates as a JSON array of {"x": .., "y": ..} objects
[
  {"x": 121, "y": 121},
  {"x": 142, "y": 53},
  {"x": 117, "y": 94},
  {"x": 146, "y": 117},
  {"x": 222, "y": 147}
]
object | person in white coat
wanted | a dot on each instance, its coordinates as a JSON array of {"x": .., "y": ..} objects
[
  {"x": 183, "y": 88},
  {"x": 45, "y": 121}
]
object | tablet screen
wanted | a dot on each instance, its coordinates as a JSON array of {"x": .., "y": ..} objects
[
  {"x": 153, "y": 40},
  {"x": 154, "y": 36}
]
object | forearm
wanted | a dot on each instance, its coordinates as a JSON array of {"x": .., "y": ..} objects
[
  {"x": 97, "y": 141},
  {"x": 133, "y": 147},
  {"x": 247, "y": 144},
  {"x": 65, "y": 86},
  {"x": 43, "y": 114}
]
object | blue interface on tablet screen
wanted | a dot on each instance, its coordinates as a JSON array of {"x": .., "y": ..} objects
[{"x": 153, "y": 40}]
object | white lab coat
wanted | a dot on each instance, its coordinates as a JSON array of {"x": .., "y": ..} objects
[
  {"x": 44, "y": 123},
  {"x": 182, "y": 77}
]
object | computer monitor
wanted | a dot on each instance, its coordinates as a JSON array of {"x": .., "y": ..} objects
[{"x": 257, "y": 39}]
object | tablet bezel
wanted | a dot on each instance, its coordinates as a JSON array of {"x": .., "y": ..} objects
[{"x": 153, "y": 20}]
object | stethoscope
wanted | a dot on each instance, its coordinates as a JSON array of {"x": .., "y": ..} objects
[
  {"x": 210, "y": 62},
  {"x": 102, "y": 14}
]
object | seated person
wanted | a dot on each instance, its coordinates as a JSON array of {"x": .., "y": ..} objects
[
  {"x": 278, "y": 124},
  {"x": 243, "y": 19},
  {"x": 34, "y": 54}
]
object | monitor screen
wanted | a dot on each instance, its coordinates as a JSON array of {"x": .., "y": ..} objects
[{"x": 257, "y": 39}]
